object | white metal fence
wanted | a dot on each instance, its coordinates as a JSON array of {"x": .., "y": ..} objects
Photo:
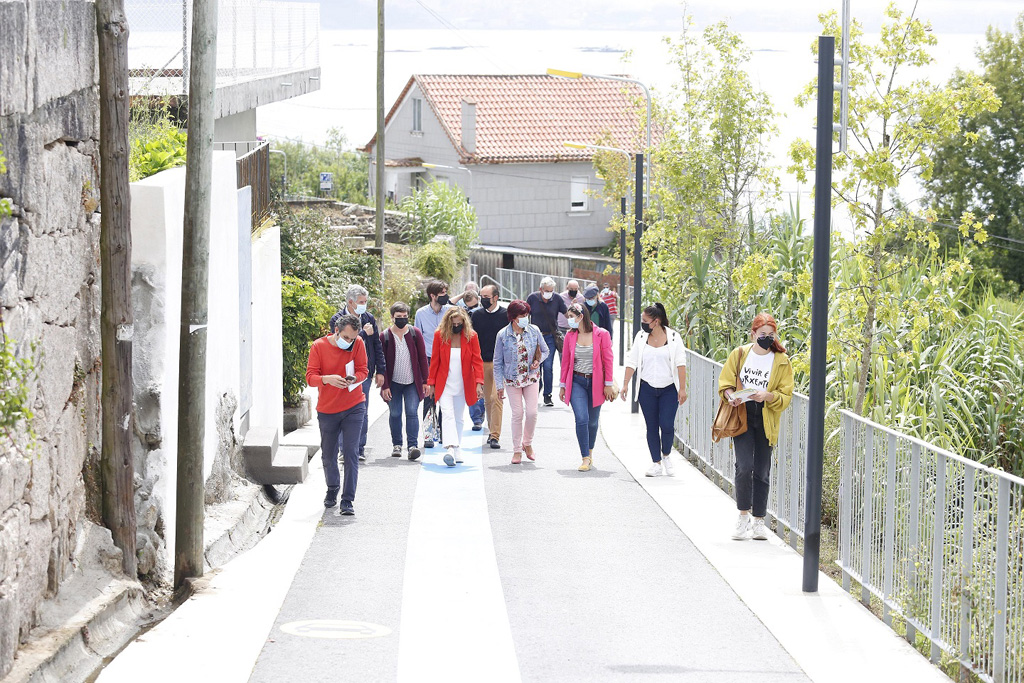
[
  {"x": 255, "y": 39},
  {"x": 521, "y": 283},
  {"x": 693, "y": 431},
  {"x": 937, "y": 538}
]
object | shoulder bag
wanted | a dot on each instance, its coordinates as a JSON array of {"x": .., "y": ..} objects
[{"x": 730, "y": 420}]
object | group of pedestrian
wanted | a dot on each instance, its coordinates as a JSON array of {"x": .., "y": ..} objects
[{"x": 470, "y": 353}]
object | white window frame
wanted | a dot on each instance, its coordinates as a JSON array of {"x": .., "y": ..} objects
[
  {"x": 417, "y": 115},
  {"x": 579, "y": 201}
]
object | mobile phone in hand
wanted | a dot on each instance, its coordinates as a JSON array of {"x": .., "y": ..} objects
[{"x": 350, "y": 378}]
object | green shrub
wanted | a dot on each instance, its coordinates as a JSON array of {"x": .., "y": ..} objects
[
  {"x": 401, "y": 281},
  {"x": 436, "y": 260},
  {"x": 440, "y": 209},
  {"x": 155, "y": 142},
  {"x": 306, "y": 316},
  {"x": 312, "y": 251}
]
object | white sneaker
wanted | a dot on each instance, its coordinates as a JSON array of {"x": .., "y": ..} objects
[
  {"x": 458, "y": 454},
  {"x": 655, "y": 470},
  {"x": 743, "y": 531},
  {"x": 760, "y": 531},
  {"x": 670, "y": 469},
  {"x": 449, "y": 459}
]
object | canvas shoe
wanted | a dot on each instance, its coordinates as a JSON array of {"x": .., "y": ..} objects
[
  {"x": 458, "y": 454},
  {"x": 396, "y": 452},
  {"x": 414, "y": 453},
  {"x": 670, "y": 469},
  {"x": 743, "y": 528},
  {"x": 759, "y": 531},
  {"x": 449, "y": 459},
  {"x": 347, "y": 509},
  {"x": 655, "y": 470}
]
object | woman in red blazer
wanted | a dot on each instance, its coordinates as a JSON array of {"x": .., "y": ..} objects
[
  {"x": 456, "y": 369},
  {"x": 587, "y": 377}
]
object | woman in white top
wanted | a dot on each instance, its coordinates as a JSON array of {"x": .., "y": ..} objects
[{"x": 658, "y": 357}]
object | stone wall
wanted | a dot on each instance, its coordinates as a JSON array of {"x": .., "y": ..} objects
[{"x": 49, "y": 296}]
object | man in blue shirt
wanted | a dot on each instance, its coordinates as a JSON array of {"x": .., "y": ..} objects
[
  {"x": 356, "y": 298},
  {"x": 427, "y": 320}
]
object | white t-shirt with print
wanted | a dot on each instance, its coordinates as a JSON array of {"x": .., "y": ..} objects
[{"x": 757, "y": 370}]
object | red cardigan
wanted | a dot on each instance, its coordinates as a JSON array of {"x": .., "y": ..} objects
[{"x": 472, "y": 365}]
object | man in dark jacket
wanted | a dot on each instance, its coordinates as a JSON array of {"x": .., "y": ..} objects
[
  {"x": 405, "y": 380},
  {"x": 600, "y": 315},
  {"x": 356, "y": 297}
]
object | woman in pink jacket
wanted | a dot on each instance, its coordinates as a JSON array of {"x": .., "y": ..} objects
[{"x": 587, "y": 378}]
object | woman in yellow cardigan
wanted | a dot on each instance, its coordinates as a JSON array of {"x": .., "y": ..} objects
[{"x": 763, "y": 366}]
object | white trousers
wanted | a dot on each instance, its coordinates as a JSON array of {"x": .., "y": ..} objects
[{"x": 453, "y": 410}]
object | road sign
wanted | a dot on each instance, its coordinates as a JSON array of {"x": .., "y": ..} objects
[{"x": 326, "y": 182}]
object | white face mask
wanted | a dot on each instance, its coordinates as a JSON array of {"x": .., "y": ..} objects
[
  {"x": 360, "y": 309},
  {"x": 547, "y": 295},
  {"x": 524, "y": 321},
  {"x": 573, "y": 322}
]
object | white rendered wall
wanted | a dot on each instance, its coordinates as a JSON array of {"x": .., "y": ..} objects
[
  {"x": 267, "y": 363},
  {"x": 157, "y": 221}
]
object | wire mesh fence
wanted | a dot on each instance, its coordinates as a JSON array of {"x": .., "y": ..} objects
[{"x": 255, "y": 39}]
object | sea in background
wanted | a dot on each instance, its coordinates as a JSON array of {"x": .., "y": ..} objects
[{"x": 781, "y": 64}]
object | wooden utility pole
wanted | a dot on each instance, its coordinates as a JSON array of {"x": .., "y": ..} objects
[
  {"x": 116, "y": 323},
  {"x": 379, "y": 147},
  {"x": 188, "y": 542}
]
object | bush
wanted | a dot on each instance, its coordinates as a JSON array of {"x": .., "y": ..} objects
[
  {"x": 401, "y": 281},
  {"x": 440, "y": 209},
  {"x": 312, "y": 251},
  {"x": 436, "y": 260},
  {"x": 155, "y": 143},
  {"x": 306, "y": 161},
  {"x": 306, "y": 316}
]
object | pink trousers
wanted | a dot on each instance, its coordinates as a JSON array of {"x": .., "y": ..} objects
[{"x": 523, "y": 400}]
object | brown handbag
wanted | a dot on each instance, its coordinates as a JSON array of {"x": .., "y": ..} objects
[{"x": 730, "y": 420}]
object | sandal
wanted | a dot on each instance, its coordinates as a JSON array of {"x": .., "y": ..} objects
[
  {"x": 517, "y": 458},
  {"x": 529, "y": 452}
]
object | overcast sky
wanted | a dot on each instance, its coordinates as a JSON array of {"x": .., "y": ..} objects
[{"x": 947, "y": 16}]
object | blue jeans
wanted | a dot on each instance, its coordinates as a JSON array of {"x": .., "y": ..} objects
[
  {"x": 404, "y": 399},
  {"x": 659, "y": 408},
  {"x": 580, "y": 398},
  {"x": 476, "y": 412},
  {"x": 341, "y": 428},
  {"x": 546, "y": 385},
  {"x": 366, "y": 414}
]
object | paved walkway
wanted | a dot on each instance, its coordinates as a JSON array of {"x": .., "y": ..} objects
[{"x": 532, "y": 572}]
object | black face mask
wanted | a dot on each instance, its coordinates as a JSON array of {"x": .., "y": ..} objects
[
  {"x": 573, "y": 293},
  {"x": 443, "y": 299},
  {"x": 485, "y": 302},
  {"x": 457, "y": 328},
  {"x": 401, "y": 322},
  {"x": 765, "y": 342},
  {"x": 646, "y": 327}
]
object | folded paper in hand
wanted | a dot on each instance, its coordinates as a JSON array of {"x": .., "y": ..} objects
[
  {"x": 350, "y": 371},
  {"x": 744, "y": 394}
]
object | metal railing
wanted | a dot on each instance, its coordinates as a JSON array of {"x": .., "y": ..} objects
[
  {"x": 521, "y": 283},
  {"x": 939, "y": 540},
  {"x": 255, "y": 39},
  {"x": 693, "y": 431}
]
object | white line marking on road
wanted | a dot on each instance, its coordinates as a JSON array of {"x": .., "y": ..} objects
[{"x": 454, "y": 622}]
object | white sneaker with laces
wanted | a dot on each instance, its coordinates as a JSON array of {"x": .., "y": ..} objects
[
  {"x": 670, "y": 469},
  {"x": 655, "y": 470},
  {"x": 743, "y": 531},
  {"x": 759, "y": 530}
]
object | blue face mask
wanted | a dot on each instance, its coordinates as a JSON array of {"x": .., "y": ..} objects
[
  {"x": 360, "y": 309},
  {"x": 573, "y": 322},
  {"x": 591, "y": 302},
  {"x": 524, "y": 321},
  {"x": 343, "y": 344}
]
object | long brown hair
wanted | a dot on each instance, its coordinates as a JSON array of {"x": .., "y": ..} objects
[
  {"x": 762, "y": 319},
  {"x": 449, "y": 319}
]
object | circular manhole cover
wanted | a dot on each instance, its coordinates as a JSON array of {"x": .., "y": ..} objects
[{"x": 335, "y": 628}]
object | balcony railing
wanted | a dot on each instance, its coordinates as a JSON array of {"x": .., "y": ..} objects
[
  {"x": 252, "y": 167},
  {"x": 255, "y": 39}
]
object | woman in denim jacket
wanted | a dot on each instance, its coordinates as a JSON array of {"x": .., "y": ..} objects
[{"x": 519, "y": 350}]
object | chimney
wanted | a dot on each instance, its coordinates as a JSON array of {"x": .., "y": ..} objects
[{"x": 469, "y": 126}]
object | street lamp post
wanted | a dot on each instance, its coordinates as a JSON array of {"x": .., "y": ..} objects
[
  {"x": 455, "y": 168},
  {"x": 647, "y": 94}
]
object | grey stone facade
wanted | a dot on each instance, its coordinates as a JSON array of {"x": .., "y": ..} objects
[{"x": 49, "y": 297}]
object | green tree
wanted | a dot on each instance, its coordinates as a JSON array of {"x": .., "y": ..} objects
[
  {"x": 981, "y": 170},
  {"x": 306, "y": 161},
  {"x": 895, "y": 123}
]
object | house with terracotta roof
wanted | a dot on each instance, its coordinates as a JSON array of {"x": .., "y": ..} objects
[{"x": 501, "y": 140}]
